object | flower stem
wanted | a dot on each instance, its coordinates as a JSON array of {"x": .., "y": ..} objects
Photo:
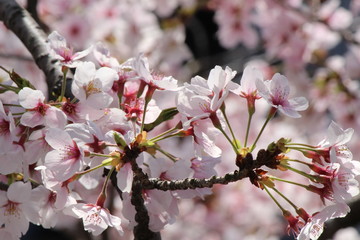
[
  {"x": 272, "y": 197},
  {"x": 162, "y": 134},
  {"x": 248, "y": 128},
  {"x": 230, "y": 128},
  {"x": 284, "y": 197},
  {"x": 143, "y": 119},
  {"x": 165, "y": 137},
  {"x": 99, "y": 155},
  {"x": 227, "y": 137},
  {"x": 291, "y": 182},
  {"x": 301, "y": 149},
  {"x": 270, "y": 115},
  {"x": 300, "y": 144},
  {"x": 102, "y": 197},
  {"x": 309, "y": 176},
  {"x": 170, "y": 156},
  {"x": 79, "y": 174},
  {"x": 63, "y": 86}
]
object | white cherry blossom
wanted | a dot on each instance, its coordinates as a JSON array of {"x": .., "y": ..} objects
[
  {"x": 276, "y": 93},
  {"x": 95, "y": 218},
  {"x": 90, "y": 86},
  {"x": 60, "y": 50},
  {"x": 17, "y": 209},
  {"x": 38, "y": 112}
]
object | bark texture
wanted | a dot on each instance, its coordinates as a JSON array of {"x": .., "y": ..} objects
[{"x": 19, "y": 21}]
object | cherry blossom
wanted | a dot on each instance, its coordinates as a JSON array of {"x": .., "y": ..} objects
[
  {"x": 58, "y": 46},
  {"x": 95, "y": 218},
  {"x": 74, "y": 143},
  {"x": 8, "y": 129},
  {"x": 17, "y": 209},
  {"x": 202, "y": 98},
  {"x": 66, "y": 158},
  {"x": 333, "y": 148},
  {"x": 102, "y": 55},
  {"x": 38, "y": 112},
  {"x": 276, "y": 93},
  {"x": 141, "y": 66},
  {"x": 48, "y": 212},
  {"x": 90, "y": 86},
  {"x": 315, "y": 225}
]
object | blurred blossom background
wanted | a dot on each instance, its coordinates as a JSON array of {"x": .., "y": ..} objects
[{"x": 314, "y": 43}]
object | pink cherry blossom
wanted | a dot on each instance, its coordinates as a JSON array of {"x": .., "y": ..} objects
[
  {"x": 276, "y": 93},
  {"x": 234, "y": 19},
  {"x": 48, "y": 212},
  {"x": 58, "y": 47},
  {"x": 95, "y": 218},
  {"x": 248, "y": 82},
  {"x": 66, "y": 158},
  {"x": 333, "y": 148},
  {"x": 102, "y": 55},
  {"x": 315, "y": 225},
  {"x": 8, "y": 131},
  {"x": 90, "y": 86},
  {"x": 38, "y": 112},
  {"x": 17, "y": 209},
  {"x": 141, "y": 66},
  {"x": 61, "y": 195},
  {"x": 335, "y": 16},
  {"x": 204, "y": 135}
]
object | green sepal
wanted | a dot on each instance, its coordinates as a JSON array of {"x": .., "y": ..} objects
[
  {"x": 165, "y": 115},
  {"x": 19, "y": 81}
]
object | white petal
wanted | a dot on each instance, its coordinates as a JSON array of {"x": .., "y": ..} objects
[
  {"x": 58, "y": 138},
  {"x": 56, "y": 41},
  {"x": 107, "y": 76},
  {"x": 32, "y": 119},
  {"x": 299, "y": 103},
  {"x": 29, "y": 98},
  {"x": 279, "y": 87},
  {"x": 19, "y": 192},
  {"x": 55, "y": 118},
  {"x": 84, "y": 73},
  {"x": 125, "y": 178}
]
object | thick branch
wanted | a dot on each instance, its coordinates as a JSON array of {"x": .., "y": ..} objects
[
  {"x": 28, "y": 31},
  {"x": 31, "y": 7}
]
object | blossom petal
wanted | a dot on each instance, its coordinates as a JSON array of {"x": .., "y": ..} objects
[
  {"x": 19, "y": 192},
  {"x": 32, "y": 119},
  {"x": 125, "y": 177},
  {"x": 29, "y": 98}
]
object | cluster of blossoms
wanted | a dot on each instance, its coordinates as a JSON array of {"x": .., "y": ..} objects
[{"x": 53, "y": 153}]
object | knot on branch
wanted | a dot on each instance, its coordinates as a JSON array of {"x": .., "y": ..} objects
[{"x": 268, "y": 157}]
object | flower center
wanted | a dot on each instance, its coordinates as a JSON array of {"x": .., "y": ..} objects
[
  {"x": 4, "y": 127},
  {"x": 91, "y": 88},
  {"x": 11, "y": 209}
]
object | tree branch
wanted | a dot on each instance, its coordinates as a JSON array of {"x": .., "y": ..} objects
[
  {"x": 192, "y": 183},
  {"x": 141, "y": 230},
  {"x": 19, "y": 21},
  {"x": 31, "y": 7}
]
